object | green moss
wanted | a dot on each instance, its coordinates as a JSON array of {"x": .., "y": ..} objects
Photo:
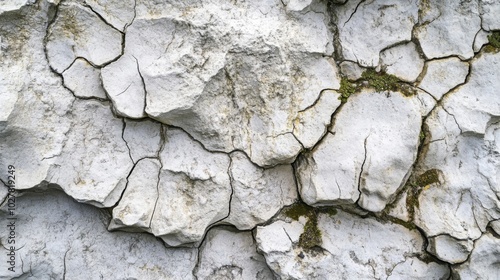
[
  {"x": 385, "y": 82},
  {"x": 428, "y": 177},
  {"x": 416, "y": 186},
  {"x": 311, "y": 237},
  {"x": 328, "y": 210},
  {"x": 346, "y": 89},
  {"x": 421, "y": 136},
  {"x": 299, "y": 209},
  {"x": 494, "y": 39}
]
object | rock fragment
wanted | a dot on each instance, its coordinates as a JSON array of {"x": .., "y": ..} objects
[
  {"x": 402, "y": 61},
  {"x": 58, "y": 237},
  {"x": 84, "y": 80},
  {"x": 79, "y": 32},
  {"x": 438, "y": 38},
  {"x": 271, "y": 188},
  {"x": 368, "y": 27},
  {"x": 352, "y": 162},
  {"x": 442, "y": 75},
  {"x": 228, "y": 254}
]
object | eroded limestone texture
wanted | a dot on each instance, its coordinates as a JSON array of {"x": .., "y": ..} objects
[{"x": 293, "y": 139}]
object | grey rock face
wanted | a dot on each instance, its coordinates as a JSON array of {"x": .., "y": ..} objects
[{"x": 266, "y": 139}]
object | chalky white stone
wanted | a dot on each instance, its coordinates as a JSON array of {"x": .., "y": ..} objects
[{"x": 203, "y": 123}]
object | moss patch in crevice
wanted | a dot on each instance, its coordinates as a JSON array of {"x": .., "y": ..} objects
[
  {"x": 311, "y": 237},
  {"x": 494, "y": 39},
  {"x": 416, "y": 186},
  {"x": 380, "y": 81}
]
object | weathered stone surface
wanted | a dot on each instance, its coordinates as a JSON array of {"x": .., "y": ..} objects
[
  {"x": 355, "y": 160},
  {"x": 351, "y": 70},
  {"x": 413, "y": 268},
  {"x": 442, "y": 75},
  {"x": 366, "y": 28},
  {"x": 136, "y": 207},
  {"x": 403, "y": 61},
  {"x": 387, "y": 249},
  {"x": 483, "y": 262},
  {"x": 439, "y": 38},
  {"x": 60, "y": 239},
  {"x": 193, "y": 190},
  {"x": 464, "y": 148},
  {"x": 480, "y": 40},
  {"x": 124, "y": 85},
  {"x": 78, "y": 32},
  {"x": 118, "y": 13},
  {"x": 227, "y": 254},
  {"x": 273, "y": 188},
  {"x": 448, "y": 249},
  {"x": 83, "y": 80},
  {"x": 209, "y": 80},
  {"x": 210, "y": 104},
  {"x": 94, "y": 162},
  {"x": 311, "y": 123},
  {"x": 489, "y": 10},
  {"x": 143, "y": 138}
]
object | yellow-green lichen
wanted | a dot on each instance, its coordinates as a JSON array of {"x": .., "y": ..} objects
[{"x": 428, "y": 177}]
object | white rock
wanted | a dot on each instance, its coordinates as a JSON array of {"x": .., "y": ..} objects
[
  {"x": 194, "y": 190},
  {"x": 228, "y": 91},
  {"x": 400, "y": 210},
  {"x": 413, "y": 268},
  {"x": 13, "y": 5},
  {"x": 58, "y": 238},
  {"x": 143, "y": 138},
  {"x": 357, "y": 161},
  {"x": 448, "y": 249},
  {"x": 480, "y": 40},
  {"x": 351, "y": 70},
  {"x": 439, "y": 38},
  {"x": 226, "y": 254},
  {"x": 402, "y": 61},
  {"x": 427, "y": 102},
  {"x": 495, "y": 225},
  {"x": 367, "y": 28},
  {"x": 78, "y": 32},
  {"x": 117, "y": 13},
  {"x": 135, "y": 208},
  {"x": 442, "y": 75},
  {"x": 489, "y": 11},
  {"x": 311, "y": 123},
  {"x": 352, "y": 247},
  {"x": 36, "y": 109},
  {"x": 94, "y": 163},
  {"x": 296, "y": 5},
  {"x": 464, "y": 147},
  {"x": 258, "y": 194},
  {"x": 84, "y": 80},
  {"x": 123, "y": 83},
  {"x": 483, "y": 262}
]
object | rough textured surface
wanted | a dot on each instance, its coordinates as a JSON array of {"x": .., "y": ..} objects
[
  {"x": 448, "y": 28},
  {"x": 386, "y": 249},
  {"x": 367, "y": 166},
  {"x": 231, "y": 255},
  {"x": 266, "y": 139},
  {"x": 69, "y": 240}
]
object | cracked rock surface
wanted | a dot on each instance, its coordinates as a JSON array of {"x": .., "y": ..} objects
[{"x": 266, "y": 139}]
